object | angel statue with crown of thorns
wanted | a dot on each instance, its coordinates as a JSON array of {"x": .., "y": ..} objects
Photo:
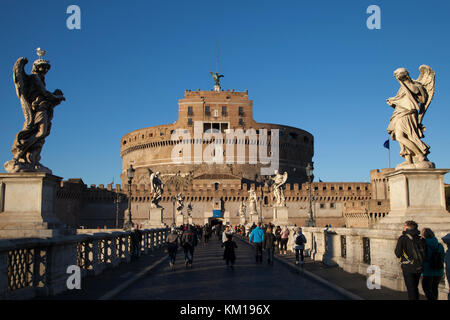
[
  {"x": 410, "y": 105},
  {"x": 37, "y": 106}
]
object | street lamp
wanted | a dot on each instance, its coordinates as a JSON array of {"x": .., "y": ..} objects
[
  {"x": 309, "y": 173},
  {"x": 130, "y": 174}
]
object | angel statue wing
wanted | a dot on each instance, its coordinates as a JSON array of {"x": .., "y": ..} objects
[
  {"x": 22, "y": 84},
  {"x": 427, "y": 79},
  {"x": 285, "y": 176}
]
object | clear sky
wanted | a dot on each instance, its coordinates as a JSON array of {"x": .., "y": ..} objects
[{"x": 307, "y": 64}]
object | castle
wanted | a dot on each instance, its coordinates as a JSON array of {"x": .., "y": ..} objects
[{"x": 221, "y": 186}]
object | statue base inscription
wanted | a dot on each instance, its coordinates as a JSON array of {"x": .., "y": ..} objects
[
  {"x": 27, "y": 206},
  {"x": 419, "y": 195}
]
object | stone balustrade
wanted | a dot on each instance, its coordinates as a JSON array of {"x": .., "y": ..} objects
[
  {"x": 354, "y": 250},
  {"x": 38, "y": 267}
]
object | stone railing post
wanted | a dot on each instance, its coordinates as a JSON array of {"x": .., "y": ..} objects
[
  {"x": 4, "y": 245},
  {"x": 61, "y": 255},
  {"x": 331, "y": 247},
  {"x": 354, "y": 253}
]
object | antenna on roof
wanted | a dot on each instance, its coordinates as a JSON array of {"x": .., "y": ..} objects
[{"x": 217, "y": 45}]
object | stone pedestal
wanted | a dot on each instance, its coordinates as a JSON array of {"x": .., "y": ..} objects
[
  {"x": 242, "y": 220},
  {"x": 254, "y": 218},
  {"x": 179, "y": 219},
  {"x": 27, "y": 206},
  {"x": 280, "y": 216},
  {"x": 419, "y": 195},
  {"x": 155, "y": 218}
]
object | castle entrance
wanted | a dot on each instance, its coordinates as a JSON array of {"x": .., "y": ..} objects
[{"x": 215, "y": 221}]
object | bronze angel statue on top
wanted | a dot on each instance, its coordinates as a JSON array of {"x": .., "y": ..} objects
[
  {"x": 410, "y": 105},
  {"x": 37, "y": 105}
]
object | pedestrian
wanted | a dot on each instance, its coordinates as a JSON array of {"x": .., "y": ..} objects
[
  {"x": 433, "y": 267},
  {"x": 257, "y": 238},
  {"x": 188, "y": 242},
  {"x": 299, "y": 246},
  {"x": 173, "y": 240},
  {"x": 228, "y": 254},
  {"x": 206, "y": 234},
  {"x": 136, "y": 238},
  {"x": 446, "y": 240},
  {"x": 278, "y": 237},
  {"x": 284, "y": 240},
  {"x": 269, "y": 244},
  {"x": 224, "y": 233},
  {"x": 411, "y": 249}
]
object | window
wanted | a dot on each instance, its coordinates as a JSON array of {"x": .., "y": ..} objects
[
  {"x": 223, "y": 127},
  {"x": 190, "y": 111},
  {"x": 224, "y": 110},
  {"x": 332, "y": 205},
  {"x": 241, "y": 121},
  {"x": 189, "y": 121},
  {"x": 322, "y": 205},
  {"x": 241, "y": 111},
  {"x": 332, "y": 188},
  {"x": 379, "y": 203},
  {"x": 207, "y": 110}
]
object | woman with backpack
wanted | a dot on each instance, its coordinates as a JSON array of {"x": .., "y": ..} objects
[
  {"x": 172, "y": 247},
  {"x": 299, "y": 246},
  {"x": 433, "y": 267}
]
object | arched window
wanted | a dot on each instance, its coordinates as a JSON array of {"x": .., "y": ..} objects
[{"x": 216, "y": 186}]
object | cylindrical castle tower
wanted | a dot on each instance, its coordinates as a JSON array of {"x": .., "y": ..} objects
[{"x": 225, "y": 111}]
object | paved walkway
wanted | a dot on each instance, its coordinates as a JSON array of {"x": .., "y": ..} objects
[
  {"x": 352, "y": 282},
  {"x": 209, "y": 279},
  {"x": 149, "y": 278}
]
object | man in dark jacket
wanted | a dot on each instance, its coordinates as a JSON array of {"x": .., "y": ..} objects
[
  {"x": 188, "y": 241},
  {"x": 411, "y": 249},
  {"x": 269, "y": 244}
]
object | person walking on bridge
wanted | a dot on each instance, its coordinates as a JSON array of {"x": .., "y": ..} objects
[
  {"x": 269, "y": 244},
  {"x": 299, "y": 246},
  {"x": 284, "y": 240},
  {"x": 257, "y": 238},
  {"x": 172, "y": 246},
  {"x": 228, "y": 255},
  {"x": 188, "y": 241}
]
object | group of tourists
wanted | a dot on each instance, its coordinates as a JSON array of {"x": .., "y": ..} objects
[
  {"x": 187, "y": 238},
  {"x": 422, "y": 256},
  {"x": 265, "y": 239}
]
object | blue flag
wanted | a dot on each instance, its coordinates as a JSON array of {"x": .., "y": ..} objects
[{"x": 386, "y": 144}]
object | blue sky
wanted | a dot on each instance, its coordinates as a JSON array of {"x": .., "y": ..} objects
[{"x": 308, "y": 64}]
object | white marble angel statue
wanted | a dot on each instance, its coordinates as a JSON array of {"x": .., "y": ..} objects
[
  {"x": 279, "y": 180},
  {"x": 156, "y": 188},
  {"x": 242, "y": 209},
  {"x": 252, "y": 199},
  {"x": 410, "y": 105},
  {"x": 180, "y": 202}
]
